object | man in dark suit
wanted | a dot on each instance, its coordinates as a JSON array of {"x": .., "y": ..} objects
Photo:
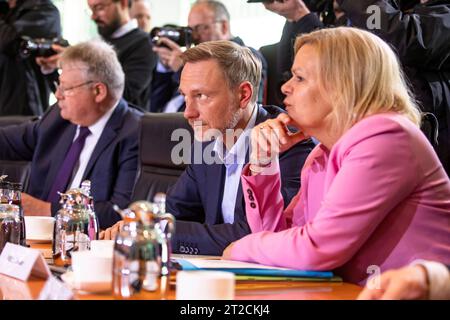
[
  {"x": 220, "y": 82},
  {"x": 90, "y": 134}
]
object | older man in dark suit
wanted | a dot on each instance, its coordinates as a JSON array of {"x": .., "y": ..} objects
[
  {"x": 90, "y": 134},
  {"x": 220, "y": 82}
]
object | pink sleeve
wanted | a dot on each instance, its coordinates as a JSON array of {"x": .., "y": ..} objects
[
  {"x": 373, "y": 175},
  {"x": 264, "y": 203}
]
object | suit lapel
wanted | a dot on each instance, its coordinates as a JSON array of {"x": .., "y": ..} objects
[
  {"x": 261, "y": 116},
  {"x": 215, "y": 177},
  {"x": 108, "y": 135},
  {"x": 61, "y": 149}
]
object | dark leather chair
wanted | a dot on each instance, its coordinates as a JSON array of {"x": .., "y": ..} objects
[
  {"x": 430, "y": 127},
  {"x": 17, "y": 171},
  {"x": 273, "y": 94},
  {"x": 157, "y": 172}
]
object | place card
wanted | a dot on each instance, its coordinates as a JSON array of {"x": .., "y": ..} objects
[
  {"x": 21, "y": 262},
  {"x": 55, "y": 290}
]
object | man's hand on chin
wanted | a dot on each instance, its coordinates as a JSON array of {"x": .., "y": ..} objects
[{"x": 34, "y": 206}]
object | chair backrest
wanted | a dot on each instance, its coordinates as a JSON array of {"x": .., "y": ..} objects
[
  {"x": 157, "y": 170},
  {"x": 430, "y": 127},
  {"x": 12, "y": 120},
  {"x": 17, "y": 171},
  {"x": 273, "y": 94}
]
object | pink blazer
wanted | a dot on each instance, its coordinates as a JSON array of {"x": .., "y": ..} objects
[{"x": 378, "y": 200}]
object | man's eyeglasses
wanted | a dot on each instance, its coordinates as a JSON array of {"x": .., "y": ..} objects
[
  {"x": 204, "y": 26},
  {"x": 67, "y": 92},
  {"x": 98, "y": 8}
]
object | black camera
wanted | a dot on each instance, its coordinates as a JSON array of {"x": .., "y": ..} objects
[
  {"x": 180, "y": 35},
  {"x": 313, "y": 5},
  {"x": 40, "y": 47}
]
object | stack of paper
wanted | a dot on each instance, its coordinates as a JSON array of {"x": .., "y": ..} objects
[{"x": 253, "y": 271}]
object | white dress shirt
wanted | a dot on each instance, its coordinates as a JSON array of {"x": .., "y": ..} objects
[
  {"x": 234, "y": 161},
  {"x": 89, "y": 145},
  {"x": 439, "y": 279},
  {"x": 123, "y": 30}
]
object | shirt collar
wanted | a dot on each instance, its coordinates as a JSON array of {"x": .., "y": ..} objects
[
  {"x": 127, "y": 27},
  {"x": 96, "y": 129},
  {"x": 237, "y": 153}
]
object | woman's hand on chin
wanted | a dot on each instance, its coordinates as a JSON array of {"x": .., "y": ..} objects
[{"x": 272, "y": 137}]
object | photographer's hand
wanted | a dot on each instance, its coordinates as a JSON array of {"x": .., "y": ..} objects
[
  {"x": 292, "y": 10},
  {"x": 50, "y": 64},
  {"x": 169, "y": 53}
]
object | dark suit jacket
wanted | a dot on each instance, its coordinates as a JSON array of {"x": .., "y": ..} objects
[
  {"x": 134, "y": 51},
  {"x": 25, "y": 90},
  {"x": 196, "y": 199},
  {"x": 111, "y": 168}
]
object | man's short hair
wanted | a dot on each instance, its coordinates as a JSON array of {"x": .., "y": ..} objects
[
  {"x": 238, "y": 63},
  {"x": 101, "y": 62},
  {"x": 219, "y": 9}
]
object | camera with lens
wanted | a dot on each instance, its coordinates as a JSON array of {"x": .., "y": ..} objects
[
  {"x": 180, "y": 35},
  {"x": 40, "y": 47},
  {"x": 313, "y": 5},
  {"x": 323, "y": 7}
]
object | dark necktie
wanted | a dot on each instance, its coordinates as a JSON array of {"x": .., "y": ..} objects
[{"x": 65, "y": 171}]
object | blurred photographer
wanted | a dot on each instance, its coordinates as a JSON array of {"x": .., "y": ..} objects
[
  {"x": 24, "y": 88},
  {"x": 300, "y": 18},
  {"x": 140, "y": 10},
  {"x": 209, "y": 21}
]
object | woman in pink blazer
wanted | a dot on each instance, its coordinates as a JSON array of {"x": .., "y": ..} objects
[{"x": 374, "y": 195}]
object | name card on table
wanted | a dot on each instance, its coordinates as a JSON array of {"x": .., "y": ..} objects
[{"x": 21, "y": 262}]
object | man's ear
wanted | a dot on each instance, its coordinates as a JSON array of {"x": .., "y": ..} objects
[
  {"x": 225, "y": 26},
  {"x": 245, "y": 94},
  {"x": 100, "y": 92}
]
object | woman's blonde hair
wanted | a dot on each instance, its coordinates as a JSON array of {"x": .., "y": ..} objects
[{"x": 360, "y": 75}]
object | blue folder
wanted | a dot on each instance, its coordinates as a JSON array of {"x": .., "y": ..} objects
[{"x": 186, "y": 265}]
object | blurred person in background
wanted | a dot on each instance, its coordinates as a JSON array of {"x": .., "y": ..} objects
[
  {"x": 24, "y": 90},
  {"x": 140, "y": 10}
]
